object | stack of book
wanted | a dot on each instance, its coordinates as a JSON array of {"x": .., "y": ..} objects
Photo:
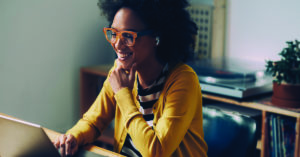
[{"x": 282, "y": 135}]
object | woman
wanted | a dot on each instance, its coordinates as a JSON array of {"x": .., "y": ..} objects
[{"x": 154, "y": 97}]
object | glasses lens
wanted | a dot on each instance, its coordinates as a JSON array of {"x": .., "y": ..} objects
[
  {"x": 111, "y": 35},
  {"x": 127, "y": 38}
]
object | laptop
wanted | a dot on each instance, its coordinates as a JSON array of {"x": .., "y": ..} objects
[{"x": 20, "y": 138}]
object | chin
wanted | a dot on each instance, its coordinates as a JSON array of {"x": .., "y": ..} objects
[{"x": 125, "y": 64}]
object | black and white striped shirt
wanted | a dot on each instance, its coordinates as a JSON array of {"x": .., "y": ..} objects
[{"x": 147, "y": 98}]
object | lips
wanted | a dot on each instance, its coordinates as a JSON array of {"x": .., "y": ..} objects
[{"x": 124, "y": 56}]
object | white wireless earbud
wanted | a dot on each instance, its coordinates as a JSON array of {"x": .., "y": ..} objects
[{"x": 157, "y": 40}]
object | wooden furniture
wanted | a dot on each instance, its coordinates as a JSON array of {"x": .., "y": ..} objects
[
  {"x": 92, "y": 148},
  {"x": 92, "y": 78}
]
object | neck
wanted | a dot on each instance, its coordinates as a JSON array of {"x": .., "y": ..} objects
[{"x": 148, "y": 73}]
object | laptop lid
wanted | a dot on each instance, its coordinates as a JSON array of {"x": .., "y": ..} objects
[{"x": 20, "y": 138}]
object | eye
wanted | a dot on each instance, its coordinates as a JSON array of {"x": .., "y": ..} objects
[
  {"x": 127, "y": 35},
  {"x": 113, "y": 34}
]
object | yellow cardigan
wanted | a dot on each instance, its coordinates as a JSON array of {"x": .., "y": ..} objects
[{"x": 177, "y": 124}]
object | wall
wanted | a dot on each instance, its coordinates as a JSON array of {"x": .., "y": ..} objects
[
  {"x": 43, "y": 44},
  {"x": 258, "y": 30}
]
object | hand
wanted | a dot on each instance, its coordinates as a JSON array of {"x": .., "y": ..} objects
[
  {"x": 120, "y": 78},
  {"x": 66, "y": 144}
]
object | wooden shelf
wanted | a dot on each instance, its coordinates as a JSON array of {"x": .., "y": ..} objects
[
  {"x": 93, "y": 77},
  {"x": 262, "y": 103}
]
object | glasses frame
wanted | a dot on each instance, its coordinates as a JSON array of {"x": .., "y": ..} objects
[{"x": 119, "y": 35}]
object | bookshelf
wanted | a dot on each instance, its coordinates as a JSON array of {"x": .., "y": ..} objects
[{"x": 92, "y": 78}]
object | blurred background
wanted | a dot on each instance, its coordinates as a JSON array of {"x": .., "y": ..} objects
[{"x": 43, "y": 44}]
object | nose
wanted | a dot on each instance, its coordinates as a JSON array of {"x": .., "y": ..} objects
[{"x": 119, "y": 44}]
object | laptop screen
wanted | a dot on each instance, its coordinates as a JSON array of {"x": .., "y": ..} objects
[{"x": 20, "y": 138}]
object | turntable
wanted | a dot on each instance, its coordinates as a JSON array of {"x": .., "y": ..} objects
[{"x": 232, "y": 77}]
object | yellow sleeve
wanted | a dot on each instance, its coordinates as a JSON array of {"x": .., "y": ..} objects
[
  {"x": 97, "y": 118},
  {"x": 180, "y": 105}
]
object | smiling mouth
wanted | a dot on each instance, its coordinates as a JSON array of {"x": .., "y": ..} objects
[{"x": 124, "y": 56}]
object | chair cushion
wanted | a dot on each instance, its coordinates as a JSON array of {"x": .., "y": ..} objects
[{"x": 228, "y": 134}]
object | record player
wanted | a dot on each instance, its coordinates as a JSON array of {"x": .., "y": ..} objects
[{"x": 232, "y": 77}]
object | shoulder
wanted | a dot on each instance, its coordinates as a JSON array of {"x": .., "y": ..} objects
[
  {"x": 182, "y": 70},
  {"x": 182, "y": 74}
]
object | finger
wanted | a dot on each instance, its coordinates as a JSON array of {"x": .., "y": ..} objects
[
  {"x": 62, "y": 140},
  {"x": 62, "y": 151},
  {"x": 68, "y": 144},
  {"x": 62, "y": 145},
  {"x": 74, "y": 150},
  {"x": 56, "y": 143},
  {"x": 120, "y": 69},
  {"x": 117, "y": 71},
  {"x": 123, "y": 72}
]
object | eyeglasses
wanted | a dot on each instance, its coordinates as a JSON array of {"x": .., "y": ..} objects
[{"x": 127, "y": 37}]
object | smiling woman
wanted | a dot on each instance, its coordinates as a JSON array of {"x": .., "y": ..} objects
[
  {"x": 143, "y": 50},
  {"x": 154, "y": 97}
]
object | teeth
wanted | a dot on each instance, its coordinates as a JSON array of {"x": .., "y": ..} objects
[{"x": 124, "y": 55}]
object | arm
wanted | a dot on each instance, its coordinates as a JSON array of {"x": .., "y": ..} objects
[
  {"x": 180, "y": 106},
  {"x": 97, "y": 118}
]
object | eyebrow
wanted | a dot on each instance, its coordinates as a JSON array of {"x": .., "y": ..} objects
[{"x": 133, "y": 30}]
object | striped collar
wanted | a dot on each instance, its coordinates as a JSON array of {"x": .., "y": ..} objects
[{"x": 161, "y": 79}]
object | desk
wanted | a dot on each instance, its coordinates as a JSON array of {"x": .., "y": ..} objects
[
  {"x": 53, "y": 135},
  {"x": 97, "y": 150}
]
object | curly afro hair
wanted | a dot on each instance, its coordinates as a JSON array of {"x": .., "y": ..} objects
[{"x": 168, "y": 18}]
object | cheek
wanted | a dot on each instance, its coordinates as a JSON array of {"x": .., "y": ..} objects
[
  {"x": 135, "y": 52},
  {"x": 142, "y": 52}
]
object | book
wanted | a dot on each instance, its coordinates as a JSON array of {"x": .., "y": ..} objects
[
  {"x": 289, "y": 133},
  {"x": 271, "y": 137},
  {"x": 283, "y": 141},
  {"x": 279, "y": 136},
  {"x": 282, "y": 132},
  {"x": 275, "y": 135}
]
